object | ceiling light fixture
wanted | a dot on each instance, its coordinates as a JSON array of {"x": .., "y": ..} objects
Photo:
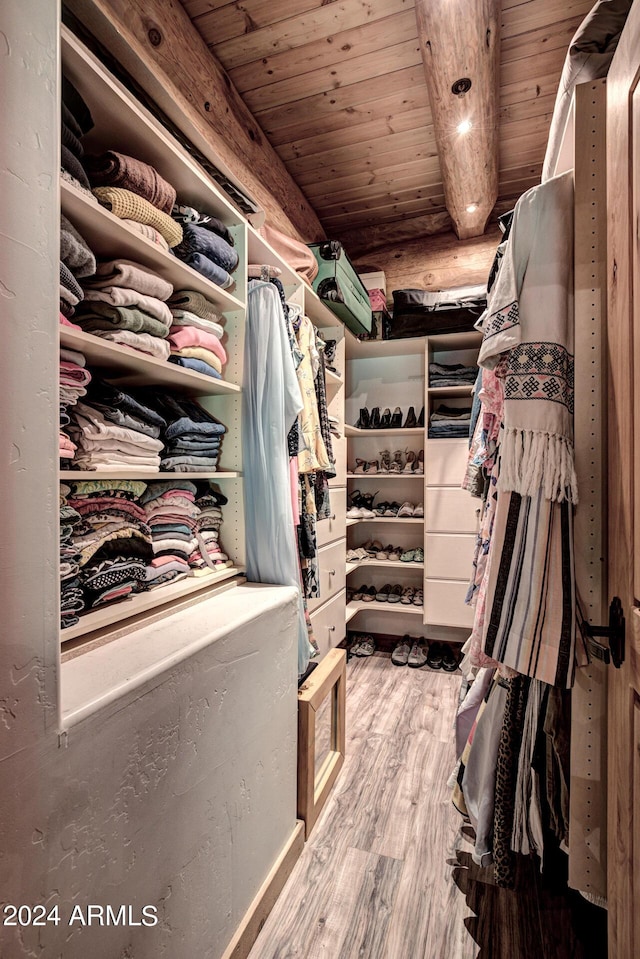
[
  {"x": 464, "y": 126},
  {"x": 472, "y": 208}
]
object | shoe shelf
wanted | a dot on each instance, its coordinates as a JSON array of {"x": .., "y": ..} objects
[
  {"x": 383, "y": 349},
  {"x": 333, "y": 379},
  {"x": 144, "y": 602},
  {"x": 115, "y": 473},
  {"x": 383, "y": 564},
  {"x": 388, "y": 519},
  {"x": 410, "y": 431},
  {"x": 383, "y": 476},
  {"x": 132, "y": 368},
  {"x": 386, "y": 607},
  {"x": 350, "y": 567}
]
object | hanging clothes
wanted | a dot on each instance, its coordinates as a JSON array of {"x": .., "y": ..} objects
[
  {"x": 530, "y": 622},
  {"x": 271, "y": 403},
  {"x": 314, "y": 454}
]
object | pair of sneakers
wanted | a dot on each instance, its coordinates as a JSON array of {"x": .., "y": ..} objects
[
  {"x": 410, "y": 652},
  {"x": 363, "y": 645},
  {"x": 408, "y": 510}
]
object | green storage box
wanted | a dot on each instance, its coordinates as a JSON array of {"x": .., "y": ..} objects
[{"x": 340, "y": 287}]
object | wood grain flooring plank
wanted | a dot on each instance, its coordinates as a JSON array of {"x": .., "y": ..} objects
[{"x": 387, "y": 872}]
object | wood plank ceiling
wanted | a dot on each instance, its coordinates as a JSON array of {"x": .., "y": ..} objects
[{"x": 338, "y": 87}]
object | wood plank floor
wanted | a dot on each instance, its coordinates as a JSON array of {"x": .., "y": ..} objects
[{"x": 387, "y": 872}]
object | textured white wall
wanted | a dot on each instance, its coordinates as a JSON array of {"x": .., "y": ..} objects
[{"x": 184, "y": 798}]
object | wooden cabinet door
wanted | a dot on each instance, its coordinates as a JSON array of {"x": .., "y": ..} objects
[{"x": 623, "y": 335}]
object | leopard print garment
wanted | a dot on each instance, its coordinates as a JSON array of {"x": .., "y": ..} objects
[{"x": 506, "y": 777}]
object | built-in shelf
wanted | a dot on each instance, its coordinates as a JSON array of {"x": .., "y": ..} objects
[
  {"x": 114, "y": 613},
  {"x": 333, "y": 378},
  {"x": 115, "y": 473},
  {"x": 388, "y": 519},
  {"x": 110, "y": 238},
  {"x": 359, "y": 607},
  {"x": 410, "y": 431},
  {"x": 382, "y": 564},
  {"x": 133, "y": 368},
  {"x": 383, "y": 476},
  {"x": 375, "y": 349},
  {"x": 450, "y": 391}
]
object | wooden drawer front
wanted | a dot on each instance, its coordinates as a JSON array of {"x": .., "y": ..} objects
[
  {"x": 328, "y": 530},
  {"x": 448, "y": 555},
  {"x": 328, "y": 622},
  {"x": 451, "y": 510},
  {"x": 446, "y": 462},
  {"x": 340, "y": 453},
  {"x": 444, "y": 603},
  {"x": 333, "y": 572}
]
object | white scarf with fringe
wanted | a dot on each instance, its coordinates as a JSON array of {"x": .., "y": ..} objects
[{"x": 529, "y": 322}]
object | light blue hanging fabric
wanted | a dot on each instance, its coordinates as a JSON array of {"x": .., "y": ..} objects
[{"x": 271, "y": 403}]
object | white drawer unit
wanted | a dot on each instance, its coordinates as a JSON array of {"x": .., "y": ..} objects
[
  {"x": 448, "y": 555},
  {"x": 446, "y": 462},
  {"x": 328, "y": 622},
  {"x": 333, "y": 572},
  {"x": 450, "y": 510},
  {"x": 335, "y": 527},
  {"x": 340, "y": 453},
  {"x": 444, "y": 603}
]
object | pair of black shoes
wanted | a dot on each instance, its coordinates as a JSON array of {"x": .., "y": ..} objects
[
  {"x": 441, "y": 656},
  {"x": 388, "y": 420}
]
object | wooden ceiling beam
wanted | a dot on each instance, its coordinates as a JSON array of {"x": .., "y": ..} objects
[
  {"x": 460, "y": 39},
  {"x": 158, "y": 45}
]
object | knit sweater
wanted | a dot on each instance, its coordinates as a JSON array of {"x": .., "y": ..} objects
[
  {"x": 119, "y": 170},
  {"x": 129, "y": 206}
]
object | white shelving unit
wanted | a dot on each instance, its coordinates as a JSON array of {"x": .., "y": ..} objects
[{"x": 391, "y": 373}]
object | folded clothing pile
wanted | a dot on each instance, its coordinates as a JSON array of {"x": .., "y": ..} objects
[
  {"x": 449, "y": 422},
  {"x": 71, "y": 597},
  {"x": 171, "y": 515},
  {"x": 76, "y": 123},
  {"x": 134, "y": 191},
  {"x": 112, "y": 538},
  {"x": 207, "y": 245},
  {"x": 114, "y": 429},
  {"x": 455, "y": 374},
  {"x": 208, "y": 553},
  {"x": 193, "y": 314},
  {"x": 74, "y": 379},
  {"x": 192, "y": 436},
  {"x": 124, "y": 302}
]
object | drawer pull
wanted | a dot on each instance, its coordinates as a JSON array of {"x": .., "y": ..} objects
[
  {"x": 331, "y": 572},
  {"x": 333, "y": 517},
  {"x": 331, "y": 629}
]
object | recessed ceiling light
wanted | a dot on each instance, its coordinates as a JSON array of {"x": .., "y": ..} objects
[
  {"x": 464, "y": 126},
  {"x": 472, "y": 208}
]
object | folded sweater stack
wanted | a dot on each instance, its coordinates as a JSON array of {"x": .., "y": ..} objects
[
  {"x": 71, "y": 598},
  {"x": 171, "y": 515},
  {"x": 76, "y": 122},
  {"x": 208, "y": 553},
  {"x": 134, "y": 190},
  {"x": 449, "y": 422},
  {"x": 113, "y": 430},
  {"x": 113, "y": 539},
  {"x": 196, "y": 334},
  {"x": 125, "y": 304},
  {"x": 455, "y": 374},
  {"x": 192, "y": 436},
  {"x": 74, "y": 379},
  {"x": 207, "y": 245}
]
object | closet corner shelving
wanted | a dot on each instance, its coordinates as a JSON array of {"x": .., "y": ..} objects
[
  {"x": 392, "y": 373},
  {"x": 121, "y": 123}
]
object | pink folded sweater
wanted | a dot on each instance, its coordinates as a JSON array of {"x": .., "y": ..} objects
[{"x": 185, "y": 336}]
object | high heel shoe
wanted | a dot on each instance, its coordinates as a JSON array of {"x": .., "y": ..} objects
[
  {"x": 397, "y": 465},
  {"x": 385, "y": 461},
  {"x": 385, "y": 420},
  {"x": 363, "y": 419},
  {"x": 361, "y": 466},
  {"x": 421, "y": 417},
  {"x": 366, "y": 502},
  {"x": 374, "y": 422},
  {"x": 396, "y": 419},
  {"x": 419, "y": 464},
  {"x": 411, "y": 421},
  {"x": 372, "y": 466},
  {"x": 411, "y": 460}
]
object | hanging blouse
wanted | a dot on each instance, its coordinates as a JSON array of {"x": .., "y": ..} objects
[{"x": 314, "y": 454}]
